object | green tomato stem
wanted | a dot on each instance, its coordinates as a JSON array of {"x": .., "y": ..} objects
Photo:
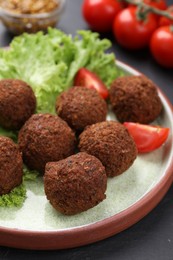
[
  {"x": 145, "y": 9},
  {"x": 171, "y": 28}
]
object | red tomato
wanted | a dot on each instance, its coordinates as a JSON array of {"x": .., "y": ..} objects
[
  {"x": 147, "y": 137},
  {"x": 164, "y": 20},
  {"x": 88, "y": 79},
  {"x": 132, "y": 33},
  {"x": 100, "y": 14},
  {"x": 161, "y": 46}
]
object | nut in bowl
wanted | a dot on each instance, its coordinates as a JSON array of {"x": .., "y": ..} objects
[{"x": 29, "y": 15}]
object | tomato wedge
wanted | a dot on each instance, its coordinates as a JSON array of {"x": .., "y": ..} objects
[
  {"x": 86, "y": 78},
  {"x": 147, "y": 137}
]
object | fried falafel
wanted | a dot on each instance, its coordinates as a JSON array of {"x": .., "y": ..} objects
[
  {"x": 17, "y": 103},
  {"x": 11, "y": 165},
  {"x": 111, "y": 143},
  {"x": 80, "y": 106},
  {"x": 45, "y": 138},
  {"x": 75, "y": 184},
  {"x": 135, "y": 99}
]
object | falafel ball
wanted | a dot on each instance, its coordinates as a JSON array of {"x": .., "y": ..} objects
[
  {"x": 75, "y": 184},
  {"x": 135, "y": 99},
  {"x": 111, "y": 143},
  {"x": 11, "y": 165},
  {"x": 80, "y": 106},
  {"x": 45, "y": 138},
  {"x": 17, "y": 103}
]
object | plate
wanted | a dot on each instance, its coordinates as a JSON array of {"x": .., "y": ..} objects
[{"x": 130, "y": 196}]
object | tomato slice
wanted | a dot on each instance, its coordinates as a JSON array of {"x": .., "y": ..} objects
[
  {"x": 147, "y": 137},
  {"x": 88, "y": 79}
]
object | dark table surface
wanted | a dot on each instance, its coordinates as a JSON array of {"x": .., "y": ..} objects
[{"x": 152, "y": 237}]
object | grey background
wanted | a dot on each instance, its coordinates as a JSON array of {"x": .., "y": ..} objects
[{"x": 152, "y": 237}]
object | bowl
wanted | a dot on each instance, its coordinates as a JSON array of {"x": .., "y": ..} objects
[{"x": 18, "y": 23}]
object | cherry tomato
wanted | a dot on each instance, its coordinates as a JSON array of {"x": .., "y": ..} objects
[
  {"x": 161, "y": 46},
  {"x": 164, "y": 20},
  {"x": 147, "y": 137},
  {"x": 88, "y": 79},
  {"x": 132, "y": 33},
  {"x": 100, "y": 14}
]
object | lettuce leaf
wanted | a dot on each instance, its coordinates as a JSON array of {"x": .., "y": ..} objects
[
  {"x": 29, "y": 175},
  {"x": 49, "y": 62},
  {"x": 9, "y": 133},
  {"x": 17, "y": 196}
]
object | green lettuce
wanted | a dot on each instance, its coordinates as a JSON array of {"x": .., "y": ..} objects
[
  {"x": 9, "y": 133},
  {"x": 49, "y": 62},
  {"x": 17, "y": 196},
  {"x": 29, "y": 175}
]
